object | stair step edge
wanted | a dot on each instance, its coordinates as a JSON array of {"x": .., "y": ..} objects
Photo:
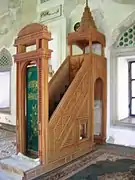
[
  {"x": 4, "y": 175},
  {"x": 11, "y": 169}
]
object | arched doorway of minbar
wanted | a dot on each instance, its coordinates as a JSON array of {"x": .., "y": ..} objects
[{"x": 32, "y": 90}]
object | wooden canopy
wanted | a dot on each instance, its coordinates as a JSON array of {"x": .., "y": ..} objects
[{"x": 87, "y": 31}]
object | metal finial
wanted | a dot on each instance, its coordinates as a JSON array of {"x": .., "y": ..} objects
[{"x": 86, "y": 3}]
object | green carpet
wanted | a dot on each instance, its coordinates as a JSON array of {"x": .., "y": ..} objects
[{"x": 106, "y": 169}]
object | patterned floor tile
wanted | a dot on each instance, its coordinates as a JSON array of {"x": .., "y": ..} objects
[{"x": 7, "y": 143}]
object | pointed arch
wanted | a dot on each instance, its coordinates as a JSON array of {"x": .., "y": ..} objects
[
  {"x": 98, "y": 89},
  {"x": 5, "y": 59},
  {"x": 127, "y": 39},
  {"x": 121, "y": 28},
  {"x": 123, "y": 45},
  {"x": 98, "y": 110},
  {"x": 5, "y": 80}
]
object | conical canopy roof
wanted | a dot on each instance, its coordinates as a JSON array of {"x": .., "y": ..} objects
[{"x": 87, "y": 20}]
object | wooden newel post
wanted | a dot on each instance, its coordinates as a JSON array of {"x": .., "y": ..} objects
[
  {"x": 43, "y": 101},
  {"x": 33, "y": 34}
]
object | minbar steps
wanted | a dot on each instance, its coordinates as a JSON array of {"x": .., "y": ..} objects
[{"x": 14, "y": 167}]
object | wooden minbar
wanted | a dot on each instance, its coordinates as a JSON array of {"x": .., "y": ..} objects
[{"x": 71, "y": 109}]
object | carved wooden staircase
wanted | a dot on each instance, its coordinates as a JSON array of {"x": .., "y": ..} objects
[
  {"x": 61, "y": 81},
  {"x": 58, "y": 86},
  {"x": 69, "y": 111}
]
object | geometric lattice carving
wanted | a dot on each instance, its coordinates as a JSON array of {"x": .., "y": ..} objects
[
  {"x": 128, "y": 38},
  {"x": 5, "y": 59},
  {"x": 62, "y": 127}
]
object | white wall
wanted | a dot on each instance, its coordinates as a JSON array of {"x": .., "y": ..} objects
[
  {"x": 116, "y": 135},
  {"x": 115, "y": 13},
  {"x": 58, "y": 44},
  {"x": 122, "y": 88},
  {"x": 25, "y": 15},
  {"x": 57, "y": 27}
]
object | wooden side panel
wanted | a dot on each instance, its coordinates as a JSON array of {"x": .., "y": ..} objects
[
  {"x": 64, "y": 143},
  {"x": 99, "y": 71}
]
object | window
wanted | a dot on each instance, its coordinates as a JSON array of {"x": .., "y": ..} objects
[
  {"x": 132, "y": 88},
  {"x": 122, "y": 80},
  {"x": 5, "y": 78},
  {"x": 122, "y": 88},
  {"x": 83, "y": 131}
]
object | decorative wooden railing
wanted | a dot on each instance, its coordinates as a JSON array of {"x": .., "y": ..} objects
[
  {"x": 72, "y": 110},
  {"x": 75, "y": 64},
  {"x": 58, "y": 85}
]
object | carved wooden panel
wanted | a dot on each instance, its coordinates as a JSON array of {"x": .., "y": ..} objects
[
  {"x": 76, "y": 110},
  {"x": 99, "y": 71},
  {"x": 64, "y": 124}
]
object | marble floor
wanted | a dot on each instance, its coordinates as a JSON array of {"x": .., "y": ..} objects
[
  {"x": 7, "y": 143},
  {"x": 130, "y": 120}
]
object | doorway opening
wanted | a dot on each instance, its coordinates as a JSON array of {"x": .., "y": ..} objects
[
  {"x": 32, "y": 111},
  {"x": 98, "y": 99}
]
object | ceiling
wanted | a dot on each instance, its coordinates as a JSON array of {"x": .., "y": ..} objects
[
  {"x": 125, "y": 1},
  {"x": 3, "y": 6}
]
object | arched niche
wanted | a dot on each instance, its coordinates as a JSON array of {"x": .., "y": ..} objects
[
  {"x": 98, "y": 102},
  {"x": 5, "y": 80},
  {"x": 98, "y": 89}
]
